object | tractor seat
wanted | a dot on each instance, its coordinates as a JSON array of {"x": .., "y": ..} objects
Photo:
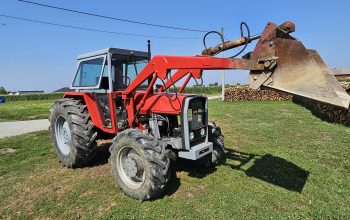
[{"x": 104, "y": 83}]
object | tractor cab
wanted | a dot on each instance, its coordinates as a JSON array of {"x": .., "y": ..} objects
[
  {"x": 105, "y": 72},
  {"x": 108, "y": 70}
]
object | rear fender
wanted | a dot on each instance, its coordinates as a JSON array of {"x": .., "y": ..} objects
[{"x": 91, "y": 104}]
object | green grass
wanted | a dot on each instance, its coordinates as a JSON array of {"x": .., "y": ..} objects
[
  {"x": 25, "y": 110},
  {"x": 282, "y": 162}
]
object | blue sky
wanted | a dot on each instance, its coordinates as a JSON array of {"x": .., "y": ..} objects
[{"x": 41, "y": 57}]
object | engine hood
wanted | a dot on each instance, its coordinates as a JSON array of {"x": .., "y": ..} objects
[{"x": 162, "y": 103}]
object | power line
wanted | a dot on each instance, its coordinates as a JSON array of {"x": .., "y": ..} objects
[
  {"x": 97, "y": 30},
  {"x": 112, "y": 18}
]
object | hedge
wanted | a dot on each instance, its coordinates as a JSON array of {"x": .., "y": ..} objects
[
  {"x": 41, "y": 96},
  {"x": 199, "y": 89}
]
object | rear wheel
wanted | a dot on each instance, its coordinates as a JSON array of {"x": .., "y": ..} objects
[
  {"x": 72, "y": 132},
  {"x": 139, "y": 165}
]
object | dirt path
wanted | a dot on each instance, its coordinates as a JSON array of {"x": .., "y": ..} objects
[
  {"x": 213, "y": 97},
  {"x": 14, "y": 128}
]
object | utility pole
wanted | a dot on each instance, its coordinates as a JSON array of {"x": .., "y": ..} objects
[{"x": 222, "y": 74}]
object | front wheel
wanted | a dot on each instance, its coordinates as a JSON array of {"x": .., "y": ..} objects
[
  {"x": 215, "y": 136},
  {"x": 139, "y": 165}
]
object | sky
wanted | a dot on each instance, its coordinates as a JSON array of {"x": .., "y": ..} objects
[{"x": 42, "y": 57}]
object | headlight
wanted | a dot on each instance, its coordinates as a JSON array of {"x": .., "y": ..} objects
[
  {"x": 191, "y": 136},
  {"x": 202, "y": 131}
]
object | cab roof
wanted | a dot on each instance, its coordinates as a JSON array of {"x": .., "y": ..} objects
[{"x": 113, "y": 51}]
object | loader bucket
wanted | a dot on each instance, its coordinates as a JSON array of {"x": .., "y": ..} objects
[{"x": 298, "y": 71}]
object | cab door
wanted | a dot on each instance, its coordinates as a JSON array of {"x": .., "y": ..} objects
[{"x": 93, "y": 77}]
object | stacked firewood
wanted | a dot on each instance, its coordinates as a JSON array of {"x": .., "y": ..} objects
[
  {"x": 325, "y": 111},
  {"x": 245, "y": 93},
  {"x": 346, "y": 86}
]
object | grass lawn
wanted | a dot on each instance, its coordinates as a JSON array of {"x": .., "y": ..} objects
[
  {"x": 282, "y": 162},
  {"x": 30, "y": 110},
  {"x": 25, "y": 110}
]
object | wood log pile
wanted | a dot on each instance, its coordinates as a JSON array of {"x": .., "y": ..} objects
[
  {"x": 326, "y": 111},
  {"x": 346, "y": 86},
  {"x": 245, "y": 93}
]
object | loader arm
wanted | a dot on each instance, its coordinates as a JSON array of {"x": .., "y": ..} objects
[
  {"x": 161, "y": 65},
  {"x": 178, "y": 75},
  {"x": 279, "y": 61}
]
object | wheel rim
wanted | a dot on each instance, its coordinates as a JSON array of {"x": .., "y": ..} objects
[
  {"x": 130, "y": 166},
  {"x": 63, "y": 135}
]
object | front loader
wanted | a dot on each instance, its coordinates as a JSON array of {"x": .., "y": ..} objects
[{"x": 116, "y": 97}]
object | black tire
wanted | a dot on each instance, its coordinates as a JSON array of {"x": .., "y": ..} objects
[
  {"x": 211, "y": 160},
  {"x": 215, "y": 136},
  {"x": 155, "y": 165},
  {"x": 81, "y": 144}
]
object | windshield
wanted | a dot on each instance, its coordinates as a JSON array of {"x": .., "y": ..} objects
[
  {"x": 133, "y": 69},
  {"x": 125, "y": 69}
]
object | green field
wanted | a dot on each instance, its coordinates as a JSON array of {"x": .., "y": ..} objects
[
  {"x": 25, "y": 110},
  {"x": 29, "y": 109},
  {"x": 37, "y": 106},
  {"x": 282, "y": 163}
]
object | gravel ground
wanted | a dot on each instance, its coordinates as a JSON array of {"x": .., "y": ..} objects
[{"x": 14, "y": 128}]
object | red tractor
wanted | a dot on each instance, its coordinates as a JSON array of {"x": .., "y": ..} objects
[{"x": 116, "y": 96}]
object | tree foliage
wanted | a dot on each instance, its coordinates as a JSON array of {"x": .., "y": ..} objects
[{"x": 3, "y": 90}]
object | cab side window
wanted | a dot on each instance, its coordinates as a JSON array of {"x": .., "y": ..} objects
[{"x": 89, "y": 72}]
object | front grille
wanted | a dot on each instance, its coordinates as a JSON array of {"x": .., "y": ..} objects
[
  {"x": 194, "y": 117},
  {"x": 198, "y": 138}
]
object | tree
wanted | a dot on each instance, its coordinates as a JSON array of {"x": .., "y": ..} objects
[{"x": 2, "y": 90}]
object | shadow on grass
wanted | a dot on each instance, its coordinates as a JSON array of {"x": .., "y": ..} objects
[
  {"x": 101, "y": 156},
  {"x": 196, "y": 169},
  {"x": 269, "y": 168},
  {"x": 173, "y": 183}
]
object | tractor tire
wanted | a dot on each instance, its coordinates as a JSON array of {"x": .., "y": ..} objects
[
  {"x": 215, "y": 136},
  {"x": 139, "y": 165},
  {"x": 211, "y": 160},
  {"x": 72, "y": 132}
]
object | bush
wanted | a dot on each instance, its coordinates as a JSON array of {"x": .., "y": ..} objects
[
  {"x": 2, "y": 90},
  {"x": 42, "y": 96},
  {"x": 199, "y": 90}
]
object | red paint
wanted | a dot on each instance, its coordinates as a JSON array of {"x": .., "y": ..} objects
[
  {"x": 92, "y": 107},
  {"x": 149, "y": 101}
]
